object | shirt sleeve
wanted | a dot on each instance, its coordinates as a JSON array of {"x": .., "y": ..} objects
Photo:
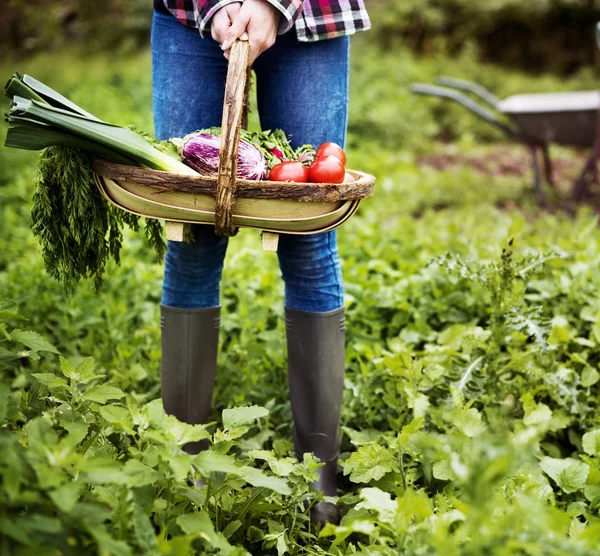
[
  {"x": 290, "y": 10},
  {"x": 205, "y": 9}
]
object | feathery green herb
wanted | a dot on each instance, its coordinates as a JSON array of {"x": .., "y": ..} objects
[{"x": 77, "y": 229}]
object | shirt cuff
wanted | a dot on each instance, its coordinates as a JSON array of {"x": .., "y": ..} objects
[
  {"x": 290, "y": 10},
  {"x": 204, "y": 16}
]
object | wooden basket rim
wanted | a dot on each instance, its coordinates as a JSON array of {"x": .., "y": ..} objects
[
  {"x": 361, "y": 187},
  {"x": 269, "y": 224}
]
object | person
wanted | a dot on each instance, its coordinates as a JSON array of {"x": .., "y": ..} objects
[{"x": 299, "y": 52}]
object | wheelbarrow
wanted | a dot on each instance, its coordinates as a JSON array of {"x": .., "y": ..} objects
[{"x": 535, "y": 120}]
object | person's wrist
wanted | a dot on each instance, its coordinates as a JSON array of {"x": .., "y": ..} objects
[{"x": 269, "y": 5}]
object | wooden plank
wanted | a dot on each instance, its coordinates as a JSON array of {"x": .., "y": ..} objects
[
  {"x": 176, "y": 231},
  {"x": 270, "y": 241}
]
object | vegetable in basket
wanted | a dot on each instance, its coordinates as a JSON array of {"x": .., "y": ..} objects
[
  {"x": 289, "y": 170},
  {"x": 326, "y": 165},
  {"x": 201, "y": 151},
  {"x": 332, "y": 149},
  {"x": 326, "y": 169},
  {"x": 40, "y": 117}
]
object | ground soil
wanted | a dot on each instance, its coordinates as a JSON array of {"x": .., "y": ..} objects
[{"x": 508, "y": 160}]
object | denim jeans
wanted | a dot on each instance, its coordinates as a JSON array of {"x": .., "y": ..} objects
[{"x": 302, "y": 88}]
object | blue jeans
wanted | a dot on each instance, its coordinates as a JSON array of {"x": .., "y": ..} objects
[{"x": 302, "y": 88}]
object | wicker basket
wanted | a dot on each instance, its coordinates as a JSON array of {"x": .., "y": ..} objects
[{"x": 224, "y": 201}]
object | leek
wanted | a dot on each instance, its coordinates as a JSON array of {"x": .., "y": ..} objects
[
  {"x": 34, "y": 113},
  {"x": 77, "y": 229}
]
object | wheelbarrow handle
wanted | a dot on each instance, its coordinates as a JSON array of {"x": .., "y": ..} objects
[
  {"x": 475, "y": 88},
  {"x": 469, "y": 104}
]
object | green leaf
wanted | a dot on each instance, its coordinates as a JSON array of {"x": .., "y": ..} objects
[
  {"x": 107, "y": 544},
  {"x": 259, "y": 478},
  {"x": 50, "y": 380},
  {"x": 9, "y": 311},
  {"x": 77, "y": 432},
  {"x": 535, "y": 413},
  {"x": 589, "y": 377},
  {"x": 443, "y": 471},
  {"x": 10, "y": 529},
  {"x": 592, "y": 492},
  {"x": 33, "y": 341},
  {"x": 282, "y": 467},
  {"x": 7, "y": 356},
  {"x": 239, "y": 416},
  {"x": 417, "y": 401},
  {"x": 116, "y": 414},
  {"x": 143, "y": 530},
  {"x": 591, "y": 442},
  {"x": 370, "y": 463},
  {"x": 199, "y": 524},
  {"x": 39, "y": 523},
  {"x": 381, "y": 502},
  {"x": 156, "y": 413},
  {"x": 176, "y": 546},
  {"x": 82, "y": 373},
  {"x": 40, "y": 433},
  {"x": 181, "y": 465},
  {"x": 254, "y": 534},
  {"x": 533, "y": 325},
  {"x": 231, "y": 528},
  {"x": 65, "y": 497},
  {"x": 140, "y": 474},
  {"x": 596, "y": 331},
  {"x": 409, "y": 431},
  {"x": 569, "y": 474},
  {"x": 103, "y": 470},
  {"x": 282, "y": 547},
  {"x": 209, "y": 461},
  {"x": 184, "y": 432},
  {"x": 103, "y": 393},
  {"x": 341, "y": 532},
  {"x": 468, "y": 421},
  {"x": 196, "y": 523},
  {"x": 364, "y": 436},
  {"x": 4, "y": 400}
]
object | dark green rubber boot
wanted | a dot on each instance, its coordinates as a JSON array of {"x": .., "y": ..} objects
[
  {"x": 315, "y": 343},
  {"x": 189, "y": 342}
]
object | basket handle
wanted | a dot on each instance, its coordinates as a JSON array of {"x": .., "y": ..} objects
[{"x": 234, "y": 116}]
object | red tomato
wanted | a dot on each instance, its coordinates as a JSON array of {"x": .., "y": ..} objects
[
  {"x": 290, "y": 170},
  {"x": 331, "y": 149},
  {"x": 326, "y": 169}
]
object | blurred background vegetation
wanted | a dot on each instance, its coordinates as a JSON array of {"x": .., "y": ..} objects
[{"x": 534, "y": 35}]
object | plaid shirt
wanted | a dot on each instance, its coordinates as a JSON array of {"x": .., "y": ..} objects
[{"x": 314, "y": 20}]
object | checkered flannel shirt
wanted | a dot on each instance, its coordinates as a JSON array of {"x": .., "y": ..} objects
[{"x": 314, "y": 20}]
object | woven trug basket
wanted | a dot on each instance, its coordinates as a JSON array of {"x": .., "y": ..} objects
[{"x": 227, "y": 202}]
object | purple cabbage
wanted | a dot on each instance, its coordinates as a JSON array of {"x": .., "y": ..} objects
[{"x": 201, "y": 152}]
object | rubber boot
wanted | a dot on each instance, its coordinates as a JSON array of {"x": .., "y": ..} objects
[
  {"x": 189, "y": 343},
  {"x": 315, "y": 343}
]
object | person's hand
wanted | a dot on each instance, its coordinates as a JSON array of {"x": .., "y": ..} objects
[
  {"x": 222, "y": 20},
  {"x": 259, "y": 20}
]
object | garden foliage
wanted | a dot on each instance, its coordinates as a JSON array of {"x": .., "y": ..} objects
[{"x": 470, "y": 422}]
